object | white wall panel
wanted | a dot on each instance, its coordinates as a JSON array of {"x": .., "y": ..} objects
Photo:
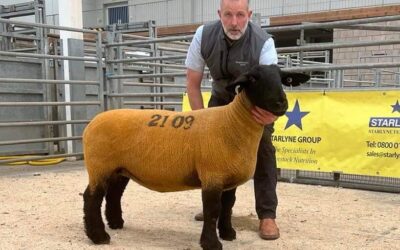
[
  {"x": 318, "y": 5},
  {"x": 151, "y": 11},
  {"x": 135, "y": 2},
  {"x": 188, "y": 11},
  {"x": 210, "y": 8},
  {"x": 198, "y": 16},
  {"x": 51, "y": 7},
  {"x": 391, "y": 1},
  {"x": 178, "y": 12},
  {"x": 173, "y": 12},
  {"x": 87, "y": 5},
  {"x": 8, "y": 2},
  {"x": 260, "y": 5},
  {"x": 92, "y": 19},
  {"x": 294, "y": 7}
]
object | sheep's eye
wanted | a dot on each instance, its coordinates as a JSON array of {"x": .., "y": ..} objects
[{"x": 237, "y": 89}]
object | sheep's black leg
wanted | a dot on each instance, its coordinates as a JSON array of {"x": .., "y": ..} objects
[
  {"x": 225, "y": 228},
  {"x": 211, "y": 209},
  {"x": 115, "y": 190},
  {"x": 94, "y": 225}
]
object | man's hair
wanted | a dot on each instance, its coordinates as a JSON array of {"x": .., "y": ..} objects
[{"x": 248, "y": 3}]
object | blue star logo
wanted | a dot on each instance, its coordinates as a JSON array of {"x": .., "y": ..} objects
[
  {"x": 295, "y": 116},
  {"x": 396, "y": 107}
]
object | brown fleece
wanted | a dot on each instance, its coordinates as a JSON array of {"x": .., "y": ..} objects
[{"x": 173, "y": 151}]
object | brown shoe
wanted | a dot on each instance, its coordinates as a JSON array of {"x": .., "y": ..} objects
[
  {"x": 199, "y": 217},
  {"x": 268, "y": 229}
]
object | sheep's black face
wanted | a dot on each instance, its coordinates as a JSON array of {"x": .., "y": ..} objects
[
  {"x": 265, "y": 89},
  {"x": 263, "y": 86}
]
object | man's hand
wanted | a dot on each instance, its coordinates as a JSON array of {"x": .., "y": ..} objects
[{"x": 262, "y": 116}]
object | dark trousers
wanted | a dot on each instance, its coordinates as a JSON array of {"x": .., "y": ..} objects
[{"x": 265, "y": 176}]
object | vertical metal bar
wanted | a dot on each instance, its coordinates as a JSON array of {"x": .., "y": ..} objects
[
  {"x": 153, "y": 46},
  {"x": 58, "y": 90},
  {"x": 100, "y": 78},
  {"x": 120, "y": 69},
  {"x": 302, "y": 42},
  {"x": 67, "y": 95},
  {"x": 338, "y": 80},
  {"x": 359, "y": 76},
  {"x": 161, "y": 80},
  {"x": 341, "y": 78},
  {"x": 43, "y": 42},
  {"x": 328, "y": 74},
  {"x": 158, "y": 69},
  {"x": 378, "y": 74},
  {"x": 335, "y": 78},
  {"x": 110, "y": 70}
]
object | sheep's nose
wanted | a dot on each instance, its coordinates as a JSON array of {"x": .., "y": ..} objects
[
  {"x": 280, "y": 108},
  {"x": 283, "y": 105}
]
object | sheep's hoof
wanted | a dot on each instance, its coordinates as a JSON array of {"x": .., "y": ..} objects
[
  {"x": 102, "y": 238},
  {"x": 216, "y": 245},
  {"x": 227, "y": 234},
  {"x": 116, "y": 224}
]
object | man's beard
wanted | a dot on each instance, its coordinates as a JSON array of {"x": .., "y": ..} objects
[{"x": 237, "y": 36}]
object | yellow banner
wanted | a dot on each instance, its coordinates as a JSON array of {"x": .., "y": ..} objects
[
  {"x": 186, "y": 105},
  {"x": 352, "y": 132}
]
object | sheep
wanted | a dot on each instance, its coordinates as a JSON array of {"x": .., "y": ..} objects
[{"x": 211, "y": 149}]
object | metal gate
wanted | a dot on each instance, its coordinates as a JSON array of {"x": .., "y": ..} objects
[
  {"x": 38, "y": 121},
  {"x": 162, "y": 63},
  {"x": 120, "y": 69}
]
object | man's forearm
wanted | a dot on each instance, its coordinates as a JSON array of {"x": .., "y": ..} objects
[
  {"x": 194, "y": 89},
  {"x": 195, "y": 99}
]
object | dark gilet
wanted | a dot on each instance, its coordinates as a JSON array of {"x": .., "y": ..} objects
[{"x": 227, "y": 59}]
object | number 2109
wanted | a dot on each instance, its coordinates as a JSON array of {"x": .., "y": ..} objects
[{"x": 178, "y": 121}]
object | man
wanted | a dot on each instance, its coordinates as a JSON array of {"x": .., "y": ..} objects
[{"x": 229, "y": 47}]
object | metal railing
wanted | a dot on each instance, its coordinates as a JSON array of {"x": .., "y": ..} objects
[
  {"x": 161, "y": 76},
  {"x": 52, "y": 106},
  {"x": 294, "y": 59},
  {"x": 341, "y": 75},
  {"x": 149, "y": 72}
]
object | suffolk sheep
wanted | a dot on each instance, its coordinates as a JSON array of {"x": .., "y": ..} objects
[{"x": 211, "y": 149}]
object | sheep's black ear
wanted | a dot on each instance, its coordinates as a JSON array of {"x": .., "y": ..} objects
[
  {"x": 240, "y": 82},
  {"x": 293, "y": 79}
]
